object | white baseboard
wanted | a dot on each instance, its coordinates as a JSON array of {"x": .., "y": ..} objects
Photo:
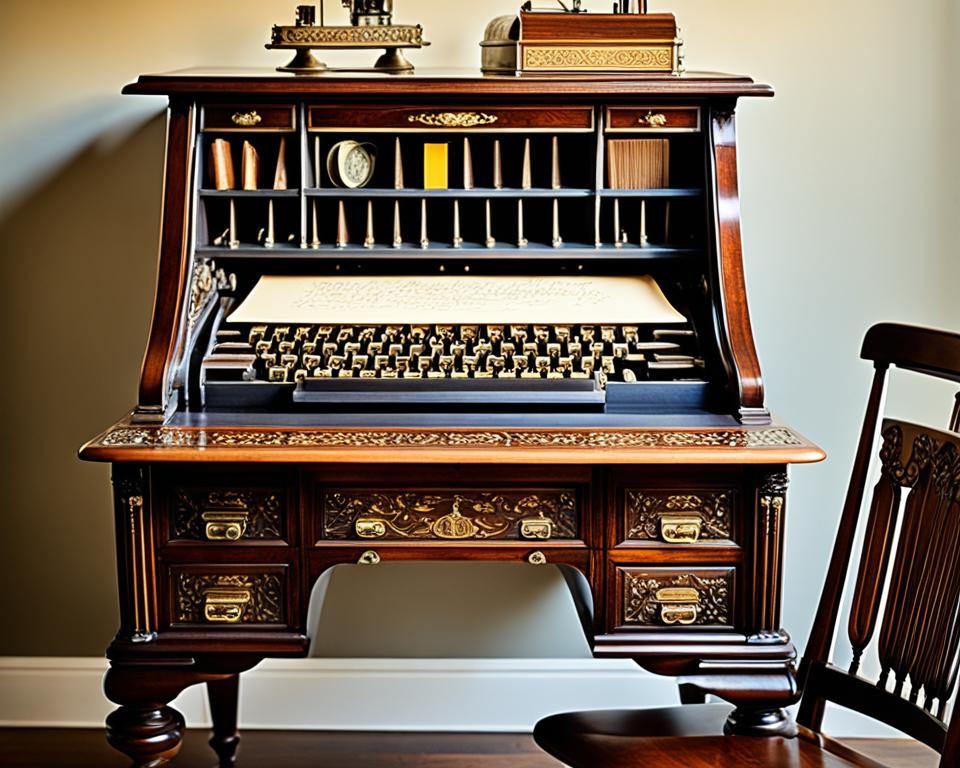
[{"x": 479, "y": 695}]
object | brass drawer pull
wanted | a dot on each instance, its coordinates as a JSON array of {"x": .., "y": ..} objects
[
  {"x": 681, "y": 529},
  {"x": 225, "y": 524},
  {"x": 224, "y": 605},
  {"x": 653, "y": 120},
  {"x": 537, "y": 558},
  {"x": 678, "y": 605},
  {"x": 246, "y": 119},
  {"x": 368, "y": 558},
  {"x": 453, "y": 119},
  {"x": 536, "y": 528},
  {"x": 370, "y": 528}
]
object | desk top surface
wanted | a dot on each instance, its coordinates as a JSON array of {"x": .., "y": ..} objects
[
  {"x": 210, "y": 441},
  {"x": 442, "y": 82}
]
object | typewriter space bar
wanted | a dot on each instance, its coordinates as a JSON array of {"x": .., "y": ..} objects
[{"x": 557, "y": 392}]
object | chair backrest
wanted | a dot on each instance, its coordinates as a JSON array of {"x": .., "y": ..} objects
[{"x": 908, "y": 578}]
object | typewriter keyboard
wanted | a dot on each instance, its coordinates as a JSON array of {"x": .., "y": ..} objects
[{"x": 292, "y": 353}]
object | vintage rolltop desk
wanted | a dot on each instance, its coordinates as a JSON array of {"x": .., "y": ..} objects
[{"x": 516, "y": 362}]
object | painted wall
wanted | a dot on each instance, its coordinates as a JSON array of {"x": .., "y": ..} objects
[{"x": 850, "y": 207}]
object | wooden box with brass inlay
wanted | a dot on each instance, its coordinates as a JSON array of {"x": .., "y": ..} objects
[
  {"x": 670, "y": 119},
  {"x": 600, "y": 42},
  {"x": 227, "y": 596},
  {"x": 249, "y": 117},
  {"x": 671, "y": 597}
]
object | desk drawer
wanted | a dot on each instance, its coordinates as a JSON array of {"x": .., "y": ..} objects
[
  {"x": 230, "y": 507},
  {"x": 249, "y": 117},
  {"x": 473, "y": 119},
  {"x": 228, "y": 595},
  {"x": 449, "y": 514},
  {"x": 682, "y": 516},
  {"x": 649, "y": 119},
  {"x": 674, "y": 597}
]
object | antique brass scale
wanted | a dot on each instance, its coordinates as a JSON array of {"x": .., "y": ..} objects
[{"x": 371, "y": 26}]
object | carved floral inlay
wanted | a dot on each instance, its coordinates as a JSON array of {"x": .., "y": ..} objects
[
  {"x": 171, "y": 437},
  {"x": 644, "y": 510},
  {"x": 265, "y": 605},
  {"x": 640, "y": 604},
  {"x": 570, "y": 57},
  {"x": 264, "y": 508},
  {"x": 460, "y": 514}
]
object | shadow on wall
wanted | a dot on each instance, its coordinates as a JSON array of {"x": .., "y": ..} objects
[{"x": 78, "y": 263}]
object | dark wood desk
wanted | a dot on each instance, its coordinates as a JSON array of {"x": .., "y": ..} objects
[{"x": 666, "y": 514}]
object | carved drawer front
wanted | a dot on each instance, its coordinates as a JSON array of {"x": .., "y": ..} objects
[
  {"x": 660, "y": 119},
  {"x": 473, "y": 119},
  {"x": 222, "y": 515},
  {"x": 249, "y": 117},
  {"x": 676, "y": 598},
  {"x": 679, "y": 516},
  {"x": 225, "y": 596},
  {"x": 449, "y": 515}
]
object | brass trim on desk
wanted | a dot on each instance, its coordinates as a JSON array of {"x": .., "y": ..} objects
[
  {"x": 225, "y": 525},
  {"x": 681, "y": 529},
  {"x": 246, "y": 119},
  {"x": 453, "y": 119},
  {"x": 225, "y": 605}
]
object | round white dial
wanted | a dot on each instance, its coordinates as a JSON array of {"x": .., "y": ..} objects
[{"x": 357, "y": 166}]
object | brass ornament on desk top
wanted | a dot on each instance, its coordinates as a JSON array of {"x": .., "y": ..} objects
[{"x": 371, "y": 27}]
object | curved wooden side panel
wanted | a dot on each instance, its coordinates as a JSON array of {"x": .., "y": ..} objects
[
  {"x": 735, "y": 329},
  {"x": 155, "y": 399}
]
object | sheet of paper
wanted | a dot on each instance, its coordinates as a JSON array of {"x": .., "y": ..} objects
[{"x": 456, "y": 301}]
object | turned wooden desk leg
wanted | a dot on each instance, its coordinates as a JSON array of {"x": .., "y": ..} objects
[
  {"x": 144, "y": 728},
  {"x": 224, "y": 698}
]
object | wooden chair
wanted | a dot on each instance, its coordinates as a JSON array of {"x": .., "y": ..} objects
[{"x": 914, "y": 577}]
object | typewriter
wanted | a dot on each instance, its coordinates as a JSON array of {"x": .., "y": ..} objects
[{"x": 467, "y": 360}]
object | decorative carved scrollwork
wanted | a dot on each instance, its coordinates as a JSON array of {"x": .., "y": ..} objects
[
  {"x": 206, "y": 280},
  {"x": 192, "y": 592},
  {"x": 368, "y": 35},
  {"x": 644, "y": 509},
  {"x": 641, "y": 604},
  {"x": 264, "y": 508},
  {"x": 460, "y": 514},
  {"x": 942, "y": 459},
  {"x": 775, "y": 483},
  {"x": 453, "y": 119}
]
